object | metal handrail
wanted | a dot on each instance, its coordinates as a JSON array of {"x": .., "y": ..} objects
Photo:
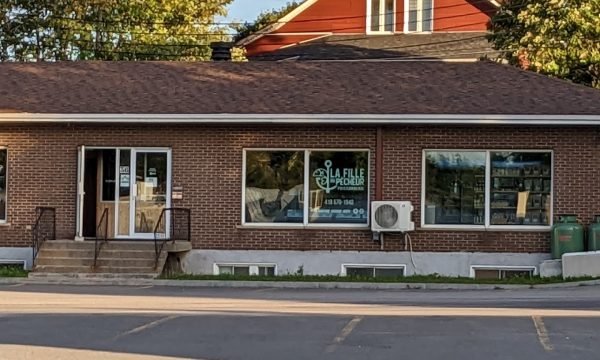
[
  {"x": 99, "y": 242},
  {"x": 172, "y": 232},
  {"x": 37, "y": 240}
]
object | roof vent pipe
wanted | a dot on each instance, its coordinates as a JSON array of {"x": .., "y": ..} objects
[{"x": 221, "y": 51}]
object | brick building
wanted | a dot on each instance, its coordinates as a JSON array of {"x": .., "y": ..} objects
[{"x": 487, "y": 154}]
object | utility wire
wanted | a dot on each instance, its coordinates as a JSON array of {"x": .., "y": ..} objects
[
  {"x": 191, "y": 23},
  {"x": 357, "y": 28}
]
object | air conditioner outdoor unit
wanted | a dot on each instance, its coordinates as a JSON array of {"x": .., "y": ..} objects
[{"x": 391, "y": 216}]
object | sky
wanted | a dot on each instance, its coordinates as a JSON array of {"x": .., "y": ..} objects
[{"x": 247, "y": 10}]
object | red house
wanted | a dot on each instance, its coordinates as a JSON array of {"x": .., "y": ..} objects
[{"x": 377, "y": 29}]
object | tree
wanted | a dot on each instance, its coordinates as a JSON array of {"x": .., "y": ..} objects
[
  {"x": 38, "y": 30},
  {"x": 263, "y": 20},
  {"x": 559, "y": 38}
]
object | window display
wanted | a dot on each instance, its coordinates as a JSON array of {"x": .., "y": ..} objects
[
  {"x": 520, "y": 188},
  {"x": 519, "y": 191},
  {"x": 3, "y": 183},
  {"x": 339, "y": 190},
  {"x": 455, "y": 187}
]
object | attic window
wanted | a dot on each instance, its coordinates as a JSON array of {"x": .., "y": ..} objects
[
  {"x": 380, "y": 16},
  {"x": 419, "y": 16}
]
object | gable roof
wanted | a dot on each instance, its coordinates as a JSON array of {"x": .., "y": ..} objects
[
  {"x": 287, "y": 88},
  {"x": 460, "y": 45},
  {"x": 299, "y": 10},
  {"x": 273, "y": 27}
]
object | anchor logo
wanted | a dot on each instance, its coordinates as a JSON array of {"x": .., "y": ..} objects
[{"x": 324, "y": 178}]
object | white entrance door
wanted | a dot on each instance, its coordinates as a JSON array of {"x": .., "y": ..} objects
[
  {"x": 142, "y": 190},
  {"x": 150, "y": 183}
]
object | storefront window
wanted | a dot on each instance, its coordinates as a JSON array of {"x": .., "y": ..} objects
[
  {"x": 519, "y": 191},
  {"x": 339, "y": 187},
  {"x": 521, "y": 185},
  {"x": 3, "y": 184},
  {"x": 337, "y": 191},
  {"x": 274, "y": 187},
  {"x": 454, "y": 187}
]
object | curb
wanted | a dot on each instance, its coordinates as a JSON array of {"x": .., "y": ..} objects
[{"x": 287, "y": 284}]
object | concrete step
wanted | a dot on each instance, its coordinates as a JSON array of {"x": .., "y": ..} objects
[
  {"x": 57, "y": 253},
  {"x": 90, "y": 276},
  {"x": 61, "y": 269},
  {"x": 64, "y": 261},
  {"x": 104, "y": 253},
  {"x": 125, "y": 270},
  {"x": 129, "y": 245},
  {"x": 105, "y": 262},
  {"x": 66, "y": 269},
  {"x": 68, "y": 245},
  {"x": 142, "y": 263},
  {"x": 89, "y": 245},
  {"x": 68, "y": 257}
]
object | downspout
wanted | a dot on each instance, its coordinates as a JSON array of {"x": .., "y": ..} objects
[
  {"x": 379, "y": 172},
  {"x": 379, "y": 165}
]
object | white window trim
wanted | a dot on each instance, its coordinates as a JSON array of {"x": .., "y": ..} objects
[
  {"x": 306, "y": 224},
  {"x": 419, "y": 22},
  {"x": 248, "y": 265},
  {"x": 6, "y": 175},
  {"x": 343, "y": 271},
  {"x": 472, "y": 269},
  {"x": 487, "y": 194},
  {"x": 381, "y": 18}
]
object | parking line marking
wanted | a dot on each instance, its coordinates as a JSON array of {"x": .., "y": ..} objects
[
  {"x": 147, "y": 326},
  {"x": 343, "y": 334},
  {"x": 542, "y": 333},
  {"x": 145, "y": 287}
]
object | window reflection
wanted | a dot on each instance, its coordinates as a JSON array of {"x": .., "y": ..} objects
[
  {"x": 455, "y": 188},
  {"x": 274, "y": 186}
]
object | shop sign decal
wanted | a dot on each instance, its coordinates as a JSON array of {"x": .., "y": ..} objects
[{"x": 343, "y": 179}]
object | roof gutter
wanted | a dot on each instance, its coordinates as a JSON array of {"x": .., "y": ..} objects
[{"x": 303, "y": 119}]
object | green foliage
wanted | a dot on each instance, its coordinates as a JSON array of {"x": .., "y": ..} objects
[
  {"x": 13, "y": 271},
  {"x": 263, "y": 20},
  {"x": 560, "y": 38},
  {"x": 34, "y": 30}
]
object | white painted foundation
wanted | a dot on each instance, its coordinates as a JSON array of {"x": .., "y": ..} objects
[
  {"x": 10, "y": 255},
  {"x": 330, "y": 262}
]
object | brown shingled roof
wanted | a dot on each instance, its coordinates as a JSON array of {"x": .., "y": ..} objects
[
  {"x": 457, "y": 45},
  {"x": 287, "y": 88}
]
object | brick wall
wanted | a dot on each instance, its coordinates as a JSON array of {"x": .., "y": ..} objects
[{"x": 207, "y": 163}]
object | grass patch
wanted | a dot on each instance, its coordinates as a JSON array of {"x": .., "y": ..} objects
[
  {"x": 536, "y": 280},
  {"x": 13, "y": 270}
]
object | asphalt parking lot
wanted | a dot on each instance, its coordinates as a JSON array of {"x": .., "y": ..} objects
[{"x": 58, "y": 322}]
